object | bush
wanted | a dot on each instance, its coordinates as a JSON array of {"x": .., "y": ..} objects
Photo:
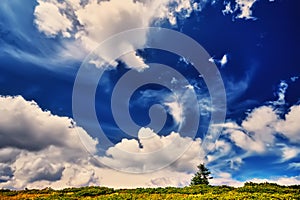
[{"x": 93, "y": 191}]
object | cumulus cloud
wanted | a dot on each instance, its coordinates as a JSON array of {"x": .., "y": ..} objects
[
  {"x": 270, "y": 129},
  {"x": 290, "y": 126},
  {"x": 263, "y": 127},
  {"x": 39, "y": 148},
  {"x": 37, "y": 145},
  {"x": 21, "y": 119},
  {"x": 91, "y": 22},
  {"x": 258, "y": 132},
  {"x": 162, "y": 178},
  {"x": 151, "y": 152},
  {"x": 261, "y": 132},
  {"x": 57, "y": 22}
]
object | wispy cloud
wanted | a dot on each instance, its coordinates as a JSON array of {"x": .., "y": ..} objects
[
  {"x": 294, "y": 165},
  {"x": 289, "y": 153},
  {"x": 294, "y": 78},
  {"x": 283, "y": 86},
  {"x": 22, "y": 41}
]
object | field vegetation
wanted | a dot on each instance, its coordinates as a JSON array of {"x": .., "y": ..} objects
[{"x": 248, "y": 191}]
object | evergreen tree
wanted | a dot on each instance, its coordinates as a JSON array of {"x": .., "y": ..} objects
[{"x": 202, "y": 176}]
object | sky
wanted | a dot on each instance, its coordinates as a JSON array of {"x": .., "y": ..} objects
[{"x": 138, "y": 93}]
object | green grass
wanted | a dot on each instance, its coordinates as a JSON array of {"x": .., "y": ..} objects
[{"x": 248, "y": 191}]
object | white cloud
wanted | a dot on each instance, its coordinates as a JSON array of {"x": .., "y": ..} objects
[
  {"x": 280, "y": 180},
  {"x": 290, "y": 126},
  {"x": 294, "y": 165},
  {"x": 222, "y": 149},
  {"x": 51, "y": 174},
  {"x": 247, "y": 143},
  {"x": 245, "y": 7},
  {"x": 21, "y": 120},
  {"x": 242, "y": 8},
  {"x": 179, "y": 103},
  {"x": 39, "y": 149},
  {"x": 152, "y": 152},
  {"x": 176, "y": 110},
  {"x": 228, "y": 8},
  {"x": 258, "y": 132},
  {"x": 94, "y": 21},
  {"x": 260, "y": 122},
  {"x": 134, "y": 61},
  {"x": 222, "y": 62},
  {"x": 162, "y": 178},
  {"x": 223, "y": 178},
  {"x": 51, "y": 153},
  {"x": 57, "y": 22},
  {"x": 37, "y": 145},
  {"x": 235, "y": 183},
  {"x": 289, "y": 153}
]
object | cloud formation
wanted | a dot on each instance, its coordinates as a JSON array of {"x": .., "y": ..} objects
[
  {"x": 57, "y": 22},
  {"x": 268, "y": 130},
  {"x": 22, "y": 120},
  {"x": 39, "y": 148},
  {"x": 153, "y": 152},
  {"x": 262, "y": 130},
  {"x": 36, "y": 145},
  {"x": 43, "y": 149},
  {"x": 91, "y": 22}
]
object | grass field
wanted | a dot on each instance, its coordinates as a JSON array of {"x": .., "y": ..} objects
[{"x": 248, "y": 191}]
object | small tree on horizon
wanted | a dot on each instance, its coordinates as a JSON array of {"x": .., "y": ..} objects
[{"x": 201, "y": 177}]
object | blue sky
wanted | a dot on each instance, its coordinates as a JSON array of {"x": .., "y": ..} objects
[{"x": 55, "y": 129}]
